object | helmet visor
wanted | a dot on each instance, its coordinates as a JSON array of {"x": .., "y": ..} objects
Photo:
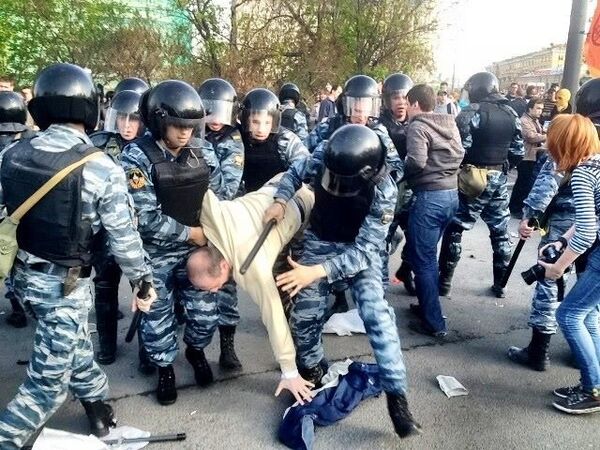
[
  {"x": 392, "y": 99},
  {"x": 360, "y": 109},
  {"x": 341, "y": 185},
  {"x": 261, "y": 123},
  {"x": 219, "y": 112},
  {"x": 128, "y": 125}
]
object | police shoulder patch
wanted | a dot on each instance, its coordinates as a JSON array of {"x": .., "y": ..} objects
[
  {"x": 136, "y": 178},
  {"x": 387, "y": 216},
  {"x": 238, "y": 160}
]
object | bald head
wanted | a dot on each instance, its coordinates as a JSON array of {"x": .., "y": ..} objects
[{"x": 207, "y": 269}]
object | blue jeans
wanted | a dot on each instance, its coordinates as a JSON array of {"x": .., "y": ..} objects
[
  {"x": 578, "y": 317},
  {"x": 429, "y": 215}
]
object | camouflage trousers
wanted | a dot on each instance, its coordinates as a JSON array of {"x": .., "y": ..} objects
[
  {"x": 366, "y": 287},
  {"x": 159, "y": 326},
  {"x": 227, "y": 305},
  {"x": 62, "y": 359},
  {"x": 492, "y": 207},
  {"x": 545, "y": 297}
]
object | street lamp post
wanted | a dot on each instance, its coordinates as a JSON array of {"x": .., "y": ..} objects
[{"x": 574, "y": 50}]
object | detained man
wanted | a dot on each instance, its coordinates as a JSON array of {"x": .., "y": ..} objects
[{"x": 232, "y": 228}]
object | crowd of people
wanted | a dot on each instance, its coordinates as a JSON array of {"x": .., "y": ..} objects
[{"x": 175, "y": 184}]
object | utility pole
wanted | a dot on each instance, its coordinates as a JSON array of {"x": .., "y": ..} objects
[{"x": 574, "y": 50}]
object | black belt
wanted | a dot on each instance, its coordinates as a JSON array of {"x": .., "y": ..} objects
[
  {"x": 300, "y": 209},
  {"x": 61, "y": 271}
]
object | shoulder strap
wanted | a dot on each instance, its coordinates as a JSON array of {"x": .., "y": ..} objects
[
  {"x": 151, "y": 149},
  {"x": 52, "y": 182}
]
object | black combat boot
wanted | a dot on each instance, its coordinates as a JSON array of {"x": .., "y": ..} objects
[
  {"x": 17, "y": 318},
  {"x": 497, "y": 289},
  {"x": 101, "y": 417},
  {"x": 107, "y": 309},
  {"x": 228, "y": 359},
  {"x": 166, "y": 391},
  {"x": 535, "y": 355},
  {"x": 404, "y": 274},
  {"x": 145, "y": 366},
  {"x": 403, "y": 421},
  {"x": 313, "y": 374},
  {"x": 202, "y": 370}
]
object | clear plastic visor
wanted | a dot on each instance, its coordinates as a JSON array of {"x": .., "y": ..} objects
[
  {"x": 127, "y": 125},
  {"x": 393, "y": 99},
  {"x": 219, "y": 112},
  {"x": 361, "y": 108},
  {"x": 261, "y": 123},
  {"x": 341, "y": 185}
]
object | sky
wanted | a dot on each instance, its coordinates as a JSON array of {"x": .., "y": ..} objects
[{"x": 474, "y": 33}]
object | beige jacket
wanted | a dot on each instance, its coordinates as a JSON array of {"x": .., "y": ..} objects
[
  {"x": 233, "y": 227},
  {"x": 532, "y": 137}
]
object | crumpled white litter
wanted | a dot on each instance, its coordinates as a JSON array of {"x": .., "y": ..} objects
[
  {"x": 51, "y": 439},
  {"x": 344, "y": 324},
  {"x": 451, "y": 386}
]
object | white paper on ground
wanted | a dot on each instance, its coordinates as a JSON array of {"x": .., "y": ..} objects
[
  {"x": 344, "y": 324},
  {"x": 51, "y": 439},
  {"x": 451, "y": 386}
]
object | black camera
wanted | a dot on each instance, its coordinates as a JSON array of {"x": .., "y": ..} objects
[{"x": 537, "y": 273}]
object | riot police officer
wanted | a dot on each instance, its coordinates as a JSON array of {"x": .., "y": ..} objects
[
  {"x": 13, "y": 118},
  {"x": 354, "y": 205},
  {"x": 169, "y": 171},
  {"x": 52, "y": 269},
  {"x": 395, "y": 119},
  {"x": 270, "y": 149},
  {"x": 121, "y": 126},
  {"x": 291, "y": 117},
  {"x": 491, "y": 132},
  {"x": 220, "y": 100}
]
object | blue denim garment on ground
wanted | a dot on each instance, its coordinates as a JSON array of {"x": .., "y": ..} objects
[{"x": 329, "y": 405}]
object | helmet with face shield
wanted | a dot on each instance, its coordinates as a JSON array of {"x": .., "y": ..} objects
[
  {"x": 220, "y": 101},
  {"x": 360, "y": 99},
  {"x": 123, "y": 115},
  {"x": 261, "y": 114}
]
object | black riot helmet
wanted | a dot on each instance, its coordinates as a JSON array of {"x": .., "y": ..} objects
[
  {"x": 353, "y": 159},
  {"x": 132, "y": 84},
  {"x": 361, "y": 98},
  {"x": 123, "y": 110},
  {"x": 587, "y": 100},
  {"x": 13, "y": 113},
  {"x": 395, "y": 84},
  {"x": 171, "y": 102},
  {"x": 260, "y": 109},
  {"x": 64, "y": 93},
  {"x": 289, "y": 91},
  {"x": 480, "y": 85},
  {"x": 220, "y": 100}
]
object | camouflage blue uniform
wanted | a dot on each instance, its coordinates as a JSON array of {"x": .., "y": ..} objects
[
  {"x": 63, "y": 358},
  {"x": 300, "y": 127},
  {"x": 230, "y": 153},
  {"x": 544, "y": 302},
  {"x": 325, "y": 129},
  {"x": 357, "y": 266},
  {"x": 491, "y": 205},
  {"x": 166, "y": 242}
]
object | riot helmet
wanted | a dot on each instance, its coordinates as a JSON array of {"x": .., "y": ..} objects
[
  {"x": 123, "y": 115},
  {"x": 353, "y": 158},
  {"x": 587, "y": 100},
  {"x": 132, "y": 84},
  {"x": 360, "y": 99},
  {"x": 64, "y": 93},
  {"x": 220, "y": 100},
  {"x": 480, "y": 85},
  {"x": 394, "y": 85},
  {"x": 13, "y": 113},
  {"x": 260, "y": 114},
  {"x": 289, "y": 91},
  {"x": 171, "y": 102}
]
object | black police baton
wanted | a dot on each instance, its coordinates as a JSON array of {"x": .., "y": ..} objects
[
  {"x": 157, "y": 438},
  {"x": 259, "y": 242},
  {"x": 137, "y": 317},
  {"x": 513, "y": 260}
]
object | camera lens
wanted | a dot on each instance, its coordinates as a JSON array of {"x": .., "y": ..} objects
[{"x": 535, "y": 273}]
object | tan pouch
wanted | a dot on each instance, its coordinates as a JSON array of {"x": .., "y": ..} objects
[{"x": 472, "y": 180}]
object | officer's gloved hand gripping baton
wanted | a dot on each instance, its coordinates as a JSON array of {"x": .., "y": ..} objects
[
  {"x": 137, "y": 317},
  {"x": 259, "y": 242}
]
